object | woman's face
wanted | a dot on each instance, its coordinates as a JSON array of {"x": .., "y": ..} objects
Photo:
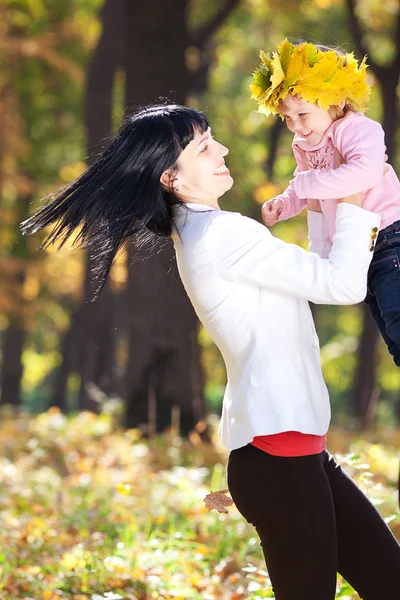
[{"x": 202, "y": 175}]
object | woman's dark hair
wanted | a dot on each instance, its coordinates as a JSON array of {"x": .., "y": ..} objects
[{"x": 120, "y": 194}]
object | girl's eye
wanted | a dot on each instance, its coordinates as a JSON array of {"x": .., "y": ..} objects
[{"x": 302, "y": 114}]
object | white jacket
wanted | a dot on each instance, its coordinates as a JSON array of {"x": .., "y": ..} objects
[{"x": 251, "y": 290}]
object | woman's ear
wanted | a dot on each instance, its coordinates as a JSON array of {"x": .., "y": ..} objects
[
  {"x": 166, "y": 179},
  {"x": 169, "y": 181}
]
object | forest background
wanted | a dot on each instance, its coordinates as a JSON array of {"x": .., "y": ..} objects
[
  {"x": 69, "y": 71},
  {"x": 109, "y": 408}
]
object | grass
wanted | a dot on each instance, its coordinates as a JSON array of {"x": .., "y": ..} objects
[{"x": 88, "y": 511}]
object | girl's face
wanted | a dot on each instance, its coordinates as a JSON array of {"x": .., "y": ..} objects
[
  {"x": 308, "y": 120},
  {"x": 202, "y": 175}
]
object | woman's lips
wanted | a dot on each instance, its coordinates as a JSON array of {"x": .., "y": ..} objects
[{"x": 222, "y": 170}]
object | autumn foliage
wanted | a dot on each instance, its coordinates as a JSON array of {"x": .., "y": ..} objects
[{"x": 90, "y": 511}]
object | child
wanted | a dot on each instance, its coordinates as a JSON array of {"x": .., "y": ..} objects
[{"x": 322, "y": 95}]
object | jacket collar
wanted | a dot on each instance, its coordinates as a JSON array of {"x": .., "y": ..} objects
[{"x": 189, "y": 207}]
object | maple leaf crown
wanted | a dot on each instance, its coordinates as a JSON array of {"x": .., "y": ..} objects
[{"x": 319, "y": 76}]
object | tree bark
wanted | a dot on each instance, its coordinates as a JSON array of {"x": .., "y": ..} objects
[
  {"x": 365, "y": 397},
  {"x": 13, "y": 343},
  {"x": 364, "y": 381},
  {"x": 164, "y": 357},
  {"x": 69, "y": 363},
  {"x": 15, "y": 335},
  {"x": 97, "y": 338}
]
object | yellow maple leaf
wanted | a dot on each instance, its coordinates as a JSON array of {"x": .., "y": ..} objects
[
  {"x": 256, "y": 91},
  {"x": 297, "y": 65},
  {"x": 277, "y": 75},
  {"x": 285, "y": 50}
]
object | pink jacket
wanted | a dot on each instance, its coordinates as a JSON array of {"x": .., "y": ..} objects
[{"x": 361, "y": 143}]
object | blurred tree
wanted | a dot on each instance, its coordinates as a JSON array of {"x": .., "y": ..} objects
[
  {"x": 43, "y": 47},
  {"x": 365, "y": 392},
  {"x": 163, "y": 369},
  {"x": 16, "y": 192},
  {"x": 164, "y": 375},
  {"x": 94, "y": 323}
]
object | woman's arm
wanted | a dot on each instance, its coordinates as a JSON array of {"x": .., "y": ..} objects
[
  {"x": 320, "y": 242},
  {"x": 243, "y": 250}
]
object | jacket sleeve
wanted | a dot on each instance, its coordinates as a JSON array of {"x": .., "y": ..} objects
[
  {"x": 362, "y": 146},
  {"x": 243, "y": 250},
  {"x": 292, "y": 204},
  {"x": 318, "y": 236}
]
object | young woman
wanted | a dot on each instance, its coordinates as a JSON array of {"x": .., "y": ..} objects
[{"x": 163, "y": 176}]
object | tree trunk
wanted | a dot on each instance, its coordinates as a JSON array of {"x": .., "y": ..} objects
[
  {"x": 13, "y": 343},
  {"x": 97, "y": 339},
  {"x": 364, "y": 382},
  {"x": 164, "y": 357},
  {"x": 389, "y": 82},
  {"x": 15, "y": 335},
  {"x": 365, "y": 397},
  {"x": 274, "y": 135},
  {"x": 69, "y": 362}
]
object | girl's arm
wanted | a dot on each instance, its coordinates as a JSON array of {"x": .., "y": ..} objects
[
  {"x": 243, "y": 250},
  {"x": 361, "y": 143},
  {"x": 292, "y": 203}
]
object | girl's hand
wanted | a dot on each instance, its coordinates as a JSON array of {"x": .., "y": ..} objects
[{"x": 271, "y": 211}]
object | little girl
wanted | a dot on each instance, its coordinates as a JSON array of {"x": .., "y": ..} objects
[{"x": 322, "y": 95}]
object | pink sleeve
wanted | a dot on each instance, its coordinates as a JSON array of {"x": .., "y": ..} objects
[
  {"x": 362, "y": 146},
  {"x": 292, "y": 204}
]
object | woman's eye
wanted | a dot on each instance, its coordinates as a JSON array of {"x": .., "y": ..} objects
[{"x": 204, "y": 149}]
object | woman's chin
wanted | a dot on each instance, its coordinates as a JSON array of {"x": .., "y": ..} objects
[{"x": 228, "y": 183}]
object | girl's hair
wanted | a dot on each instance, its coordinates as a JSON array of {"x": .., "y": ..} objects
[{"x": 120, "y": 194}]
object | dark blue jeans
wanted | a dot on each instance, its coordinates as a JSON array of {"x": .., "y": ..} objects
[{"x": 383, "y": 296}]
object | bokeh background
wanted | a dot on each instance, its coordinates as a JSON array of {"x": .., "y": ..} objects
[{"x": 109, "y": 408}]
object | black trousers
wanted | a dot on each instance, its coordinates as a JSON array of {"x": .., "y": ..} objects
[{"x": 313, "y": 521}]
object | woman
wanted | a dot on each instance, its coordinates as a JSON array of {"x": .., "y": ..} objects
[{"x": 163, "y": 176}]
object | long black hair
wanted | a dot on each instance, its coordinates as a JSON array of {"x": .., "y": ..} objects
[{"x": 120, "y": 195}]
